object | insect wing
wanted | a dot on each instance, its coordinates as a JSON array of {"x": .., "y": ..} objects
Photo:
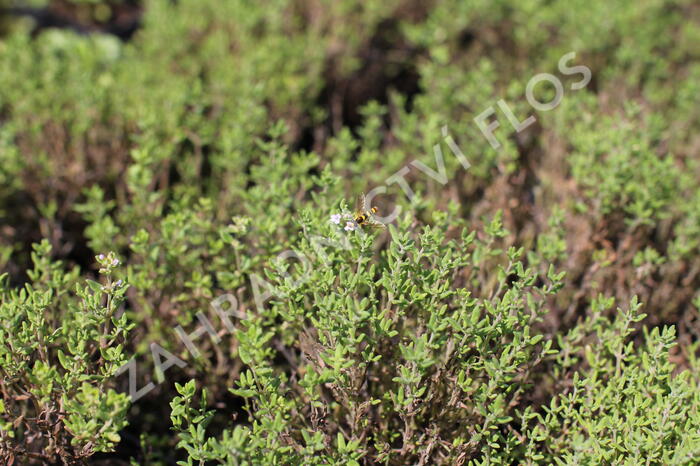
[
  {"x": 372, "y": 222},
  {"x": 361, "y": 206}
]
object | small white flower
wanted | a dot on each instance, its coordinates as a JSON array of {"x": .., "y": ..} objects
[
  {"x": 101, "y": 257},
  {"x": 115, "y": 262},
  {"x": 350, "y": 226},
  {"x": 335, "y": 218},
  {"x": 118, "y": 283}
]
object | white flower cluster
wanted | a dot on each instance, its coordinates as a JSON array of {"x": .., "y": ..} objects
[
  {"x": 350, "y": 223},
  {"x": 115, "y": 262}
]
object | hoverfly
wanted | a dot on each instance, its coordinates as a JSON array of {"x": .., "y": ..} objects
[{"x": 363, "y": 216}]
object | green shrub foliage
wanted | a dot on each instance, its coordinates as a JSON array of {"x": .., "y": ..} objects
[{"x": 179, "y": 283}]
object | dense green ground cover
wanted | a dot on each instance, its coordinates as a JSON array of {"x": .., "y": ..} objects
[{"x": 165, "y": 197}]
